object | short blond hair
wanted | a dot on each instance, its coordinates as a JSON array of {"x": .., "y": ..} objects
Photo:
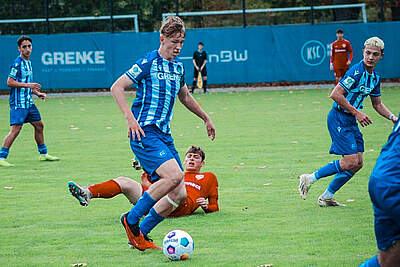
[
  {"x": 172, "y": 25},
  {"x": 375, "y": 41}
]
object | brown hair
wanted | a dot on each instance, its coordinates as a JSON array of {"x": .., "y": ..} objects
[
  {"x": 196, "y": 150},
  {"x": 172, "y": 25},
  {"x": 23, "y": 38}
]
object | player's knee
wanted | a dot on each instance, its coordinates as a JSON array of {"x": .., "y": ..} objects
[
  {"x": 16, "y": 129},
  {"x": 176, "y": 179},
  {"x": 39, "y": 126},
  {"x": 390, "y": 257},
  {"x": 123, "y": 183},
  {"x": 349, "y": 163}
]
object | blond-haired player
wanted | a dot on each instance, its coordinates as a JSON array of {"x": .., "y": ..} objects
[{"x": 360, "y": 81}]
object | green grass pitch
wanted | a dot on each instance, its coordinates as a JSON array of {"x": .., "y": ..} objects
[{"x": 264, "y": 140}]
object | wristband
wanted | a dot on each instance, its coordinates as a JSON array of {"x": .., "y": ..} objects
[{"x": 391, "y": 116}]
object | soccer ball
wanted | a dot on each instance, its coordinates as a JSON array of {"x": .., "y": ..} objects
[{"x": 178, "y": 245}]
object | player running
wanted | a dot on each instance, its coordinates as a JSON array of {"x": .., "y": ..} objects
[
  {"x": 22, "y": 107},
  {"x": 342, "y": 55},
  {"x": 384, "y": 190},
  {"x": 359, "y": 81},
  {"x": 201, "y": 188},
  {"x": 159, "y": 78}
]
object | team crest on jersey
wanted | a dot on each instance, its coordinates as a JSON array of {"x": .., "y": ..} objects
[
  {"x": 348, "y": 82},
  {"x": 144, "y": 61},
  {"x": 135, "y": 70},
  {"x": 356, "y": 72},
  {"x": 344, "y": 45},
  {"x": 199, "y": 176}
]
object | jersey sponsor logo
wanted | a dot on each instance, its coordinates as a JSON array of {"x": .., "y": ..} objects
[
  {"x": 339, "y": 129},
  {"x": 198, "y": 187},
  {"x": 199, "y": 176},
  {"x": 73, "y": 58},
  {"x": 135, "y": 70},
  {"x": 348, "y": 82},
  {"x": 313, "y": 53},
  {"x": 365, "y": 90},
  {"x": 168, "y": 76},
  {"x": 13, "y": 71},
  {"x": 162, "y": 153},
  {"x": 356, "y": 72}
]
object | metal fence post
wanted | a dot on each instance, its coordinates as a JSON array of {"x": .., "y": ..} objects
[
  {"x": 244, "y": 13},
  {"x": 46, "y": 2}
]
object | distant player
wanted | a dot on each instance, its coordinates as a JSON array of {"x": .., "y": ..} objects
[
  {"x": 201, "y": 188},
  {"x": 199, "y": 63},
  {"x": 384, "y": 190},
  {"x": 159, "y": 78},
  {"x": 359, "y": 81},
  {"x": 22, "y": 107},
  {"x": 342, "y": 55}
]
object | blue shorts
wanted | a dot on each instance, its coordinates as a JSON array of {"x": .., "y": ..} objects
[
  {"x": 154, "y": 149},
  {"x": 345, "y": 134},
  {"x": 385, "y": 197},
  {"x": 19, "y": 116}
]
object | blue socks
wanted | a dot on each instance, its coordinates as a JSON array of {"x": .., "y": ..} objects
[
  {"x": 4, "y": 152},
  {"x": 42, "y": 149},
  {"x": 329, "y": 169},
  {"x": 150, "y": 221},
  {"x": 340, "y": 179},
  {"x": 372, "y": 262},
  {"x": 143, "y": 205}
]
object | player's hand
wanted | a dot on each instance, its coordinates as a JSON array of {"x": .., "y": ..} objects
[
  {"x": 34, "y": 86},
  {"x": 202, "y": 202},
  {"x": 41, "y": 95},
  {"x": 394, "y": 119},
  {"x": 363, "y": 119},
  {"x": 331, "y": 66},
  {"x": 210, "y": 129},
  {"x": 348, "y": 62},
  {"x": 134, "y": 129}
]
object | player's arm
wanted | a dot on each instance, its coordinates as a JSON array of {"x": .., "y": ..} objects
[
  {"x": 191, "y": 104},
  {"x": 350, "y": 54},
  {"x": 195, "y": 65},
  {"x": 382, "y": 109},
  {"x": 118, "y": 92},
  {"x": 212, "y": 198},
  {"x": 11, "y": 82},
  {"x": 339, "y": 96},
  {"x": 332, "y": 57}
]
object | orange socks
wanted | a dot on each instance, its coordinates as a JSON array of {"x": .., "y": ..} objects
[{"x": 107, "y": 189}]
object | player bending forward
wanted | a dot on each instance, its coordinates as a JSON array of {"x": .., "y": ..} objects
[
  {"x": 201, "y": 188},
  {"x": 384, "y": 190},
  {"x": 159, "y": 78},
  {"x": 359, "y": 81}
]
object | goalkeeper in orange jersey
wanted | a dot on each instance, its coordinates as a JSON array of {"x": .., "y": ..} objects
[
  {"x": 341, "y": 57},
  {"x": 202, "y": 188}
]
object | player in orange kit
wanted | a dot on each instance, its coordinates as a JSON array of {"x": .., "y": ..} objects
[
  {"x": 342, "y": 55},
  {"x": 202, "y": 188}
]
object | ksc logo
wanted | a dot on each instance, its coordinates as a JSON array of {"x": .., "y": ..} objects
[{"x": 313, "y": 53}]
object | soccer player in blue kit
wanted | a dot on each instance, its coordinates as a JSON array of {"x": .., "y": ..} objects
[
  {"x": 384, "y": 190},
  {"x": 22, "y": 107},
  {"x": 359, "y": 81},
  {"x": 159, "y": 78}
]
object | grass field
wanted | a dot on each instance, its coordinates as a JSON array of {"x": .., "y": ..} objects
[{"x": 264, "y": 141}]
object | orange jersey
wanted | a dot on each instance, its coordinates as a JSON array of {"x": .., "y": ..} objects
[
  {"x": 198, "y": 185},
  {"x": 341, "y": 53}
]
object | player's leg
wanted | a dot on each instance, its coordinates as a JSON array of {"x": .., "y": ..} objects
[
  {"x": 8, "y": 141},
  {"x": 204, "y": 75},
  {"x": 35, "y": 120},
  {"x": 163, "y": 208},
  {"x": 194, "y": 84}
]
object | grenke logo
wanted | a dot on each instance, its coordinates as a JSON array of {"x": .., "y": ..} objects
[{"x": 73, "y": 58}]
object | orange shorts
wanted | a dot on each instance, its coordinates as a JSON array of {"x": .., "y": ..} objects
[
  {"x": 340, "y": 71},
  {"x": 185, "y": 208}
]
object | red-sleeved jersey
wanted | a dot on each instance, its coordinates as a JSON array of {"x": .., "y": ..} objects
[
  {"x": 198, "y": 185},
  {"x": 341, "y": 53}
]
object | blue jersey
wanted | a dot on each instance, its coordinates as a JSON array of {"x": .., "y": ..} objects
[
  {"x": 359, "y": 84},
  {"x": 21, "y": 71},
  {"x": 158, "y": 82},
  {"x": 387, "y": 166}
]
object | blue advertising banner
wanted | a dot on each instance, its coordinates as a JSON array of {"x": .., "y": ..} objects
[{"x": 235, "y": 55}]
